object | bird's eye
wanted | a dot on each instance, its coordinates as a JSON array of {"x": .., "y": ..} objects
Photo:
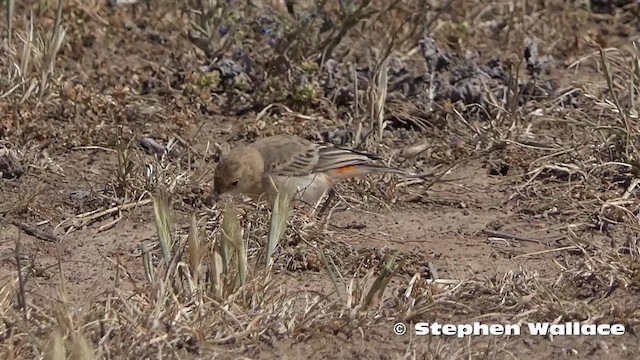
[{"x": 235, "y": 183}]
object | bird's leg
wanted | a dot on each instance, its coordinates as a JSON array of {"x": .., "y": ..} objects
[
  {"x": 325, "y": 224},
  {"x": 312, "y": 217},
  {"x": 327, "y": 202}
]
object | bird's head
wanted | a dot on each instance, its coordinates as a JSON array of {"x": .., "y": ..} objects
[{"x": 239, "y": 172}]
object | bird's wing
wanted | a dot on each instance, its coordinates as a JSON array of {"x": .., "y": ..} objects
[
  {"x": 287, "y": 155},
  {"x": 333, "y": 157}
]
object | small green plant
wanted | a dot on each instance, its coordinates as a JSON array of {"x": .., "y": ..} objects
[
  {"x": 310, "y": 67},
  {"x": 209, "y": 79},
  {"x": 307, "y": 93},
  {"x": 296, "y": 44},
  {"x": 214, "y": 26}
]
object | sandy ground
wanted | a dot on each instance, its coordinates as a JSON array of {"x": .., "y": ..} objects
[{"x": 455, "y": 228}]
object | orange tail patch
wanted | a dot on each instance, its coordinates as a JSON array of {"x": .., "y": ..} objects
[
  {"x": 347, "y": 171},
  {"x": 359, "y": 170}
]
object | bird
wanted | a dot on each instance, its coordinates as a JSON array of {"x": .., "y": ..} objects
[{"x": 302, "y": 167}]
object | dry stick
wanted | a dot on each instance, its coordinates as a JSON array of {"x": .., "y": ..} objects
[
  {"x": 21, "y": 293},
  {"x": 571, "y": 247},
  {"x": 86, "y": 218},
  {"x": 186, "y": 144},
  {"x": 109, "y": 225},
  {"x": 34, "y": 231},
  {"x": 632, "y": 186},
  {"x": 516, "y": 237}
]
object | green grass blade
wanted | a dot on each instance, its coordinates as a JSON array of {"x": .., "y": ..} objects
[
  {"x": 163, "y": 223},
  {"x": 147, "y": 263},
  {"x": 216, "y": 269},
  {"x": 195, "y": 255},
  {"x": 377, "y": 288},
  {"x": 230, "y": 235},
  {"x": 278, "y": 222},
  {"x": 332, "y": 271},
  {"x": 242, "y": 262}
]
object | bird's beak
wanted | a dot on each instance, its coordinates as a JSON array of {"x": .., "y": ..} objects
[
  {"x": 215, "y": 194},
  {"x": 213, "y": 198}
]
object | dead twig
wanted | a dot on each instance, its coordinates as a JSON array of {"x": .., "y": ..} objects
[
  {"x": 506, "y": 236},
  {"x": 35, "y": 232},
  {"x": 87, "y": 218}
]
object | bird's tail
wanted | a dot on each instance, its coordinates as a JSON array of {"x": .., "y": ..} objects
[
  {"x": 364, "y": 169},
  {"x": 404, "y": 173}
]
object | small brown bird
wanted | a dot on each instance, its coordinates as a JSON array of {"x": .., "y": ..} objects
[{"x": 288, "y": 162}]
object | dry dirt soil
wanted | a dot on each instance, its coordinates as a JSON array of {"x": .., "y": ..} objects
[{"x": 535, "y": 219}]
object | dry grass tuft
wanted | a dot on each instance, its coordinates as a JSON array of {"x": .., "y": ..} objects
[{"x": 30, "y": 66}]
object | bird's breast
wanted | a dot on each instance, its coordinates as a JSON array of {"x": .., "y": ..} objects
[{"x": 308, "y": 188}]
